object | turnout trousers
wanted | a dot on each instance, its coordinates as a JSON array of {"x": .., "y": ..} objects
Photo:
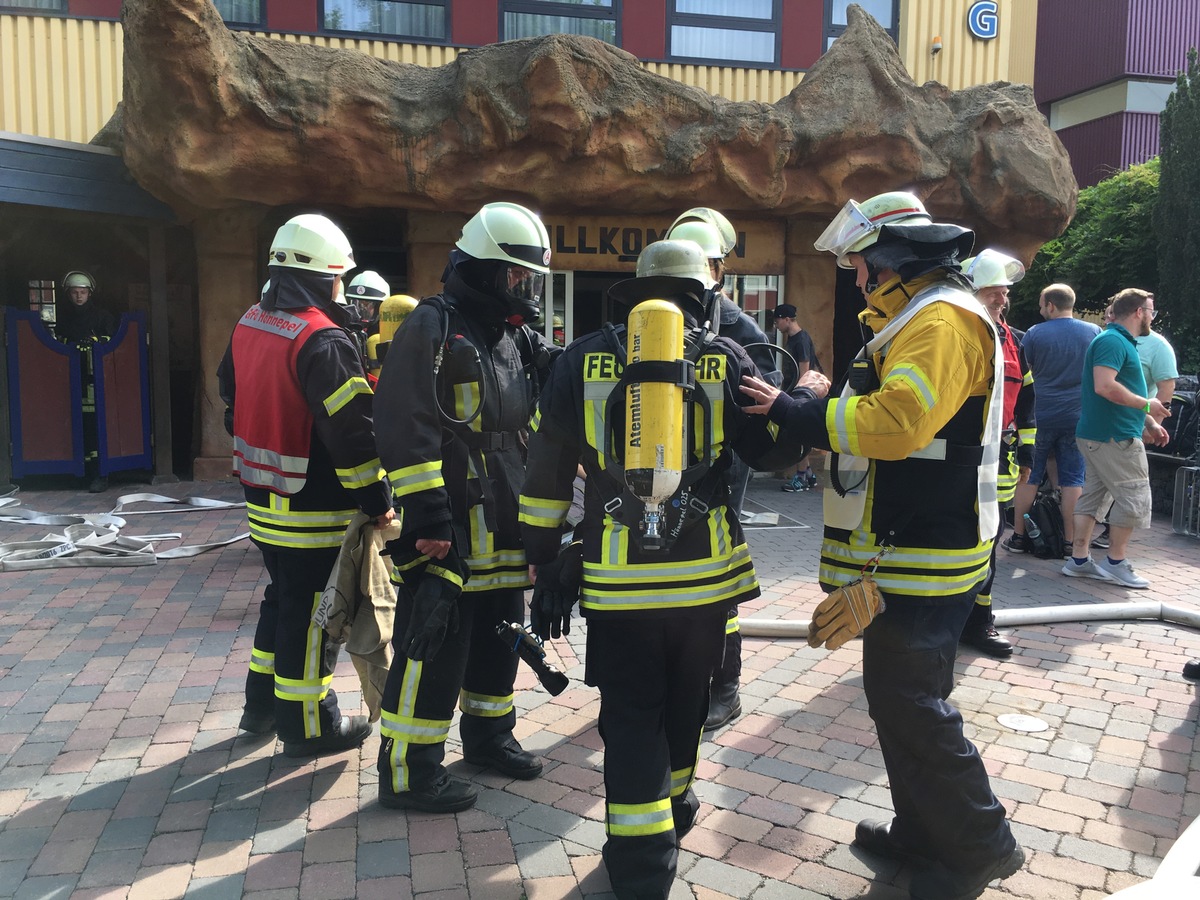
[
  {"x": 653, "y": 675},
  {"x": 943, "y": 800},
  {"x": 473, "y": 668},
  {"x": 981, "y": 612},
  {"x": 292, "y": 661}
]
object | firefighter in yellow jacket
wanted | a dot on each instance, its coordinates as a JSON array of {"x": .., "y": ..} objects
[
  {"x": 299, "y": 410},
  {"x": 657, "y": 583},
  {"x": 914, "y": 437}
]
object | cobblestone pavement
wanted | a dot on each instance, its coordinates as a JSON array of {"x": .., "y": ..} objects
[{"x": 122, "y": 774}]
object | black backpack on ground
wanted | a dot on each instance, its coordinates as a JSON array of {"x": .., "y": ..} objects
[
  {"x": 1181, "y": 425},
  {"x": 1046, "y": 514}
]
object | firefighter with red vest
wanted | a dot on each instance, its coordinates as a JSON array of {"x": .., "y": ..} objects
[
  {"x": 992, "y": 273},
  {"x": 304, "y": 449}
]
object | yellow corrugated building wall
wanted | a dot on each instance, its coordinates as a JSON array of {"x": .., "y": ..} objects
[
  {"x": 964, "y": 59},
  {"x": 60, "y": 78}
]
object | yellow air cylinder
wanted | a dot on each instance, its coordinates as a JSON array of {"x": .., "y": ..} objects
[
  {"x": 654, "y": 420},
  {"x": 373, "y": 352},
  {"x": 392, "y": 312}
]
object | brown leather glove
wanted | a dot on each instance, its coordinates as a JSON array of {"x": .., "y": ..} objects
[{"x": 845, "y": 613}]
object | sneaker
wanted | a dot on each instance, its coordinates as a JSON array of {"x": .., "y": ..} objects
[
  {"x": 1017, "y": 543},
  {"x": 350, "y": 733},
  {"x": 443, "y": 794},
  {"x": 1101, "y": 541},
  {"x": 810, "y": 478},
  {"x": 1088, "y": 570},
  {"x": 795, "y": 484},
  {"x": 1123, "y": 573}
]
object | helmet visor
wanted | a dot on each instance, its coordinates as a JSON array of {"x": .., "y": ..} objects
[
  {"x": 848, "y": 228},
  {"x": 523, "y": 292}
]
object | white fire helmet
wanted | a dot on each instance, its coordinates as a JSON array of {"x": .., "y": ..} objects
[
  {"x": 510, "y": 233},
  {"x": 78, "y": 278},
  {"x": 702, "y": 233},
  {"x": 991, "y": 268},
  {"x": 857, "y": 226},
  {"x": 714, "y": 218},
  {"x": 312, "y": 242},
  {"x": 368, "y": 285}
]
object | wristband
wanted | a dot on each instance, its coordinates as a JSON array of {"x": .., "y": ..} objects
[{"x": 1147, "y": 410}]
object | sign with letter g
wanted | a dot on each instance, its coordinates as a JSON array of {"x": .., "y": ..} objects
[{"x": 982, "y": 20}]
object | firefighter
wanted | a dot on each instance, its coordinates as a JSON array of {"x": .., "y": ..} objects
[
  {"x": 304, "y": 450},
  {"x": 912, "y": 512},
  {"x": 81, "y": 319},
  {"x": 716, "y": 237},
  {"x": 367, "y": 291},
  {"x": 992, "y": 273},
  {"x": 456, "y": 392},
  {"x": 656, "y": 599},
  {"x": 82, "y": 322}
]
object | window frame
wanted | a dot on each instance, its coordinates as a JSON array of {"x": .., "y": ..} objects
[
  {"x": 772, "y": 25},
  {"x": 830, "y": 32},
  {"x": 388, "y": 35},
  {"x": 258, "y": 24},
  {"x": 9, "y": 7},
  {"x": 555, "y": 8}
]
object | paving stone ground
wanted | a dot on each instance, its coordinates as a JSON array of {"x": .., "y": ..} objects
[{"x": 122, "y": 774}]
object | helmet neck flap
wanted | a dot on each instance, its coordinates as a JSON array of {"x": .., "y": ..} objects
[{"x": 290, "y": 288}]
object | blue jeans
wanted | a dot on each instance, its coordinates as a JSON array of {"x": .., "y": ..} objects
[
  {"x": 944, "y": 804},
  {"x": 1060, "y": 442}
]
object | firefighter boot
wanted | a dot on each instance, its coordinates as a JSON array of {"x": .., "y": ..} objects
[
  {"x": 980, "y": 632},
  {"x": 505, "y": 756},
  {"x": 489, "y": 744},
  {"x": 348, "y": 734},
  {"x": 724, "y": 705},
  {"x": 257, "y": 721},
  {"x": 441, "y": 794}
]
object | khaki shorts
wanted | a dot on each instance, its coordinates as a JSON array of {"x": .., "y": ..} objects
[{"x": 1116, "y": 471}]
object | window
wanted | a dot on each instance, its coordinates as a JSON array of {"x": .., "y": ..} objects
[
  {"x": 725, "y": 31},
  {"x": 46, "y": 5},
  {"x": 240, "y": 12},
  {"x": 532, "y": 18},
  {"x": 885, "y": 12},
  {"x": 393, "y": 18}
]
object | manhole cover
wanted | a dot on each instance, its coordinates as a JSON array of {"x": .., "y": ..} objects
[{"x": 1019, "y": 722}]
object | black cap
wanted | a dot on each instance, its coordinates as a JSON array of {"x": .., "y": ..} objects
[{"x": 785, "y": 311}]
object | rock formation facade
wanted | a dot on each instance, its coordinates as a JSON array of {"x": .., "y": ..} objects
[
  {"x": 226, "y": 127},
  {"x": 215, "y": 119}
]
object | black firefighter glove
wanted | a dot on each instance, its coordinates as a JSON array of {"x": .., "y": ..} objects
[
  {"x": 555, "y": 593},
  {"x": 435, "y": 585}
]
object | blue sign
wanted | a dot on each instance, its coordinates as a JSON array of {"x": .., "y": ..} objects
[{"x": 982, "y": 20}]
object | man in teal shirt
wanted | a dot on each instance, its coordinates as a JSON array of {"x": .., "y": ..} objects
[{"x": 1116, "y": 415}]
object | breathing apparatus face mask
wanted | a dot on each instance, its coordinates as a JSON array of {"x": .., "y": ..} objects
[{"x": 521, "y": 289}]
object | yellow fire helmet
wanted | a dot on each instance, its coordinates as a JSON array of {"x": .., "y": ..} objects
[{"x": 392, "y": 312}]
